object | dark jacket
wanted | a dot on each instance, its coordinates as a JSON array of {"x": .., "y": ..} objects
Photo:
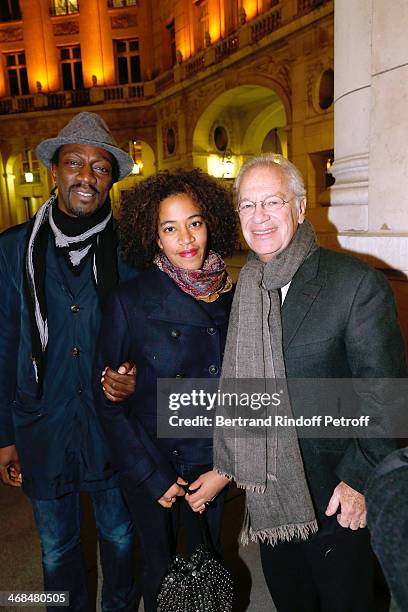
[
  {"x": 339, "y": 321},
  {"x": 167, "y": 334},
  {"x": 58, "y": 438},
  {"x": 387, "y": 518}
]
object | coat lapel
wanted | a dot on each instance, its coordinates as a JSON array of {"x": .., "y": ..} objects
[
  {"x": 169, "y": 303},
  {"x": 304, "y": 289}
]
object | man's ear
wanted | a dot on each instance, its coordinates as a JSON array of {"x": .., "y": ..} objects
[
  {"x": 302, "y": 209},
  {"x": 54, "y": 173}
]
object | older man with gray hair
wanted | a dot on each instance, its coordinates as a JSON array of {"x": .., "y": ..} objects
[{"x": 302, "y": 311}]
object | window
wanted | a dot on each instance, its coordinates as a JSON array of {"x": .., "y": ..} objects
[
  {"x": 71, "y": 68},
  {"x": 326, "y": 89},
  {"x": 171, "y": 29},
  {"x": 9, "y": 10},
  {"x": 64, "y": 7},
  {"x": 203, "y": 23},
  {"x": 17, "y": 73},
  {"x": 128, "y": 60},
  {"x": 120, "y": 3}
]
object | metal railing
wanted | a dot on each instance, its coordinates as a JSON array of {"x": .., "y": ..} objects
[
  {"x": 25, "y": 104},
  {"x": 226, "y": 47},
  {"x": 70, "y": 99},
  {"x": 195, "y": 65},
  {"x": 306, "y": 6},
  {"x": 80, "y": 97},
  {"x": 165, "y": 80},
  {"x": 267, "y": 23},
  {"x": 123, "y": 92}
]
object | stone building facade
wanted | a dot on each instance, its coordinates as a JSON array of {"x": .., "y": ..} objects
[{"x": 181, "y": 83}]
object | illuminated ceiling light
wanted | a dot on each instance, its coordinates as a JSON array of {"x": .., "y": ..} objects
[
  {"x": 215, "y": 166},
  {"x": 137, "y": 167}
]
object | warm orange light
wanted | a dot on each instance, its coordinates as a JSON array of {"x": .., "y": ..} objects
[
  {"x": 3, "y": 87},
  {"x": 214, "y": 20},
  {"x": 214, "y": 29},
  {"x": 251, "y": 8},
  {"x": 39, "y": 76},
  {"x": 97, "y": 72}
]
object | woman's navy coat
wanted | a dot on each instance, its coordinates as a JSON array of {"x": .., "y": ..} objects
[{"x": 167, "y": 334}]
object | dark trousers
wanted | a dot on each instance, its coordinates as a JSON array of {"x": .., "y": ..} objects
[
  {"x": 158, "y": 529},
  {"x": 58, "y": 522},
  {"x": 332, "y": 573}
]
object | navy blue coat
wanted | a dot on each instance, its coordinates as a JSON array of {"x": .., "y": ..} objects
[
  {"x": 167, "y": 334},
  {"x": 58, "y": 438}
]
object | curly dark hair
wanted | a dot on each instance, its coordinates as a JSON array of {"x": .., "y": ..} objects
[{"x": 139, "y": 213}]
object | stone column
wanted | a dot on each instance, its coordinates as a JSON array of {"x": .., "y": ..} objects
[
  {"x": 369, "y": 199},
  {"x": 96, "y": 43},
  {"x": 388, "y": 186},
  {"x": 40, "y": 49},
  {"x": 352, "y": 94}
]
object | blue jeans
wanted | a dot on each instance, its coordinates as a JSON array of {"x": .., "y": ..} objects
[{"x": 58, "y": 523}]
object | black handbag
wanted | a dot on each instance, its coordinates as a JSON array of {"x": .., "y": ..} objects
[{"x": 200, "y": 583}]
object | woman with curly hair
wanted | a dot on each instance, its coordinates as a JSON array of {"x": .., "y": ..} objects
[{"x": 171, "y": 321}]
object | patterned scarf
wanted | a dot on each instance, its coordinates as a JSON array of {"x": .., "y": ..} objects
[
  {"x": 205, "y": 284},
  {"x": 95, "y": 237},
  {"x": 267, "y": 464}
]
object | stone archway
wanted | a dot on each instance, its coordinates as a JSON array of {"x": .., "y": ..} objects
[
  {"x": 27, "y": 186},
  {"x": 147, "y": 167},
  {"x": 234, "y": 126}
]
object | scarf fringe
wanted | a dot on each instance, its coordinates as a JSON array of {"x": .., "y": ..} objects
[
  {"x": 283, "y": 533},
  {"x": 254, "y": 488}
]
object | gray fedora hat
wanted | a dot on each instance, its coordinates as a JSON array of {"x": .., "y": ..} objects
[{"x": 89, "y": 129}]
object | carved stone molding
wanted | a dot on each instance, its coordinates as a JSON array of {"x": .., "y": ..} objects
[
  {"x": 314, "y": 73},
  {"x": 269, "y": 68},
  {"x": 170, "y": 139},
  {"x": 11, "y": 34},
  {"x": 66, "y": 27},
  {"x": 123, "y": 21}
]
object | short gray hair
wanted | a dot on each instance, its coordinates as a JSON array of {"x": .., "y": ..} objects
[{"x": 271, "y": 160}]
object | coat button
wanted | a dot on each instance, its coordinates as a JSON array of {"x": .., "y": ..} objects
[
  {"x": 213, "y": 369},
  {"x": 74, "y": 308},
  {"x": 175, "y": 452},
  {"x": 75, "y": 351},
  {"x": 211, "y": 331},
  {"x": 175, "y": 333}
]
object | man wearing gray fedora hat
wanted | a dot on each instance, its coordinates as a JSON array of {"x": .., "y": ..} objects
[{"x": 55, "y": 272}]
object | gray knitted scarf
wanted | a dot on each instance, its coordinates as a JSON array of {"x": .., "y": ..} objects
[{"x": 267, "y": 464}]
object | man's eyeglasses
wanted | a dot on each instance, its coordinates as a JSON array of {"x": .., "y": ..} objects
[{"x": 269, "y": 204}]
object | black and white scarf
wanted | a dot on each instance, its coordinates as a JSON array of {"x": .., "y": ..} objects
[{"x": 76, "y": 239}]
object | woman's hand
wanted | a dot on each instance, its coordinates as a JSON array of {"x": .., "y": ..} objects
[
  {"x": 118, "y": 386},
  {"x": 206, "y": 488},
  {"x": 169, "y": 497}
]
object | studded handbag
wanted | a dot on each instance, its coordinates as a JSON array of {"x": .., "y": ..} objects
[{"x": 200, "y": 583}]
